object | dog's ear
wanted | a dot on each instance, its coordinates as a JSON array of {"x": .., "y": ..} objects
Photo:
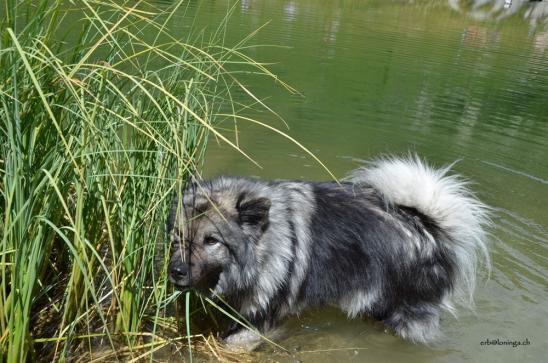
[{"x": 253, "y": 211}]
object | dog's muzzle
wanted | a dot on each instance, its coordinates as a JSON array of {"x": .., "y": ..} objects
[{"x": 179, "y": 275}]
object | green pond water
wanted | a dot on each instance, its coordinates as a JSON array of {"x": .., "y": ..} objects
[{"x": 441, "y": 79}]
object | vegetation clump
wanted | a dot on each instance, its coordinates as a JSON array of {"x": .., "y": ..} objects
[{"x": 105, "y": 113}]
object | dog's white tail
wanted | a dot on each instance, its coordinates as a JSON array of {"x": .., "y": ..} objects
[{"x": 445, "y": 199}]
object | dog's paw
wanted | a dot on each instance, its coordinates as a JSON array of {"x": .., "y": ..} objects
[{"x": 242, "y": 341}]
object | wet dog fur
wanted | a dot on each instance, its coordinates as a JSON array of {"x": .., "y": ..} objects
[{"x": 398, "y": 241}]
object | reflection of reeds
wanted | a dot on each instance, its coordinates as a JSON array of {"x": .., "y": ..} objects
[{"x": 96, "y": 134}]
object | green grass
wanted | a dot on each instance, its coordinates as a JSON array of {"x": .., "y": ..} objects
[{"x": 105, "y": 113}]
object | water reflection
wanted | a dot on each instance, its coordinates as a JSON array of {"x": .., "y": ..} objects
[
  {"x": 534, "y": 11},
  {"x": 290, "y": 10},
  {"x": 540, "y": 42}
]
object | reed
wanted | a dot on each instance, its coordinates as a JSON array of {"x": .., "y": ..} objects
[{"x": 103, "y": 120}]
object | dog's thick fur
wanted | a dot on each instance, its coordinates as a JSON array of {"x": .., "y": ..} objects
[{"x": 397, "y": 241}]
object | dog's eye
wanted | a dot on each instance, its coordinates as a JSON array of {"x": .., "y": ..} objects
[{"x": 210, "y": 241}]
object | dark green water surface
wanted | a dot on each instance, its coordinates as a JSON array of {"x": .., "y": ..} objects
[{"x": 438, "y": 78}]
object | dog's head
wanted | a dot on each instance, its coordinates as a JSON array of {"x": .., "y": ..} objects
[{"x": 213, "y": 230}]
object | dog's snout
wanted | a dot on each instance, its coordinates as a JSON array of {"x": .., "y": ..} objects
[{"x": 179, "y": 271}]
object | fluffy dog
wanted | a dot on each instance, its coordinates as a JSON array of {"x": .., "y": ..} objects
[{"x": 397, "y": 241}]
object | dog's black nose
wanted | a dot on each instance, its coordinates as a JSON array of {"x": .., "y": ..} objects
[{"x": 179, "y": 271}]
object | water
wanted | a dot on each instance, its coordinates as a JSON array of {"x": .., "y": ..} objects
[{"x": 446, "y": 80}]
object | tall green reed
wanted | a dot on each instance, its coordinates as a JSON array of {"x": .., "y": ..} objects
[{"x": 105, "y": 113}]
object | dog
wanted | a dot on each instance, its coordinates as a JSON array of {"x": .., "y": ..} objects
[{"x": 397, "y": 240}]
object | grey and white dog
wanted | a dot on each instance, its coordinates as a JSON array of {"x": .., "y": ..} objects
[{"x": 397, "y": 241}]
